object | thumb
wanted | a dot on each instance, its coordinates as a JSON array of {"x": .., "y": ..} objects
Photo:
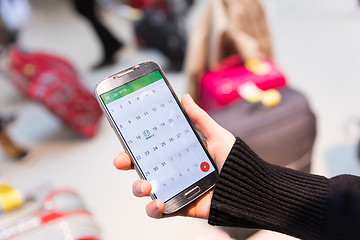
[
  {"x": 201, "y": 120},
  {"x": 219, "y": 141}
]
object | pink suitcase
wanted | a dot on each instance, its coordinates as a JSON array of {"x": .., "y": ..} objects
[{"x": 219, "y": 87}]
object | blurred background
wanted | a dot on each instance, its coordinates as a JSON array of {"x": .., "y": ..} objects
[{"x": 314, "y": 43}]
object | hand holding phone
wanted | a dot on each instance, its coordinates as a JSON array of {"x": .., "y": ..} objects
[
  {"x": 218, "y": 141},
  {"x": 157, "y": 134}
]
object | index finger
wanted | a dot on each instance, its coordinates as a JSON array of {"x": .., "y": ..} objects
[{"x": 123, "y": 161}]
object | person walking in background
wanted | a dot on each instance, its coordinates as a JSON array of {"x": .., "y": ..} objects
[
  {"x": 13, "y": 17},
  {"x": 109, "y": 43}
]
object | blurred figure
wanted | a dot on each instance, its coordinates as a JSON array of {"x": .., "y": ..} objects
[
  {"x": 155, "y": 30},
  {"x": 13, "y": 16},
  {"x": 162, "y": 27},
  {"x": 10, "y": 148},
  {"x": 227, "y": 27},
  {"x": 109, "y": 43}
]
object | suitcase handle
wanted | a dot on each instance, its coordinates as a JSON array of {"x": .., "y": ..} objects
[{"x": 229, "y": 62}]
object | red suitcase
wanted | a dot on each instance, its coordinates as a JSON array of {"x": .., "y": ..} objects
[{"x": 53, "y": 81}]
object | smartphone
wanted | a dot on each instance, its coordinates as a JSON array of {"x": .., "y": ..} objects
[{"x": 154, "y": 129}]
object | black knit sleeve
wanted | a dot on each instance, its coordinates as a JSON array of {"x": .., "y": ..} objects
[
  {"x": 343, "y": 214},
  {"x": 255, "y": 194}
]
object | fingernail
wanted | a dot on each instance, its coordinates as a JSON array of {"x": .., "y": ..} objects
[
  {"x": 140, "y": 187},
  {"x": 156, "y": 205},
  {"x": 189, "y": 96}
]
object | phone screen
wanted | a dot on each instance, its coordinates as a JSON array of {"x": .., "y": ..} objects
[{"x": 158, "y": 135}]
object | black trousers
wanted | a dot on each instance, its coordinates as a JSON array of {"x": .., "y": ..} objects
[{"x": 109, "y": 43}]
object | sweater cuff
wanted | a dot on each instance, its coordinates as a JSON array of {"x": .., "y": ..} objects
[{"x": 255, "y": 194}]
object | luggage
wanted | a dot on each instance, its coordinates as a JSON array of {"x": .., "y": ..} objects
[
  {"x": 283, "y": 135},
  {"x": 220, "y": 87},
  {"x": 59, "y": 214},
  {"x": 150, "y": 4},
  {"x": 53, "y": 81},
  {"x": 226, "y": 27},
  {"x": 154, "y": 30}
]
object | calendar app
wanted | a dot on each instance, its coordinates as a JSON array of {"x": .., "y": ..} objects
[{"x": 158, "y": 135}]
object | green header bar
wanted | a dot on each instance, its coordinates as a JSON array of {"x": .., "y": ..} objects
[{"x": 131, "y": 87}]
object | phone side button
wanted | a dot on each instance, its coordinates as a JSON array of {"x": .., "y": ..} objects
[{"x": 192, "y": 192}]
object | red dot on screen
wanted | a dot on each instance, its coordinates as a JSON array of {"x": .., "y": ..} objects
[{"x": 204, "y": 166}]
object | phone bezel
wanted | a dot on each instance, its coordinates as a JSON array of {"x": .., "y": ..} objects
[{"x": 132, "y": 73}]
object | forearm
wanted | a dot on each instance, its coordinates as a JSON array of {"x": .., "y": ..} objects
[{"x": 255, "y": 194}]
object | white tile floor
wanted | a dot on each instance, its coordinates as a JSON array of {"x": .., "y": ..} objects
[{"x": 317, "y": 43}]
